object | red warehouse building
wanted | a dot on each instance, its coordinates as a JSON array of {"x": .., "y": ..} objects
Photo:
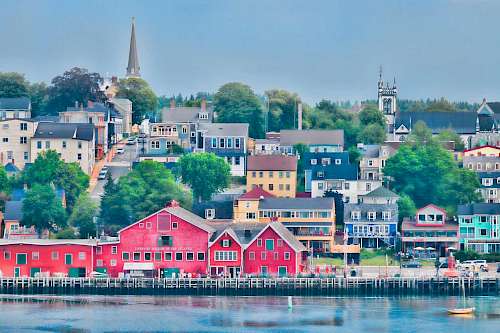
[
  {"x": 46, "y": 257},
  {"x": 170, "y": 241}
]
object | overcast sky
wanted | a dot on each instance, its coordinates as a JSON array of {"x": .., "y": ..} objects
[{"x": 318, "y": 49}]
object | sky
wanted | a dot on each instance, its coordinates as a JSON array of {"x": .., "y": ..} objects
[{"x": 319, "y": 49}]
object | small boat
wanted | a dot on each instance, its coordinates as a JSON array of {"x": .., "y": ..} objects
[{"x": 462, "y": 311}]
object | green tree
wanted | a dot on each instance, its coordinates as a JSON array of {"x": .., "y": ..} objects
[
  {"x": 441, "y": 105},
  {"x": 143, "y": 98},
  {"x": 300, "y": 149},
  {"x": 82, "y": 216},
  {"x": 13, "y": 85},
  {"x": 205, "y": 173},
  {"x": 48, "y": 168},
  {"x": 236, "y": 103},
  {"x": 406, "y": 207},
  {"x": 371, "y": 115},
  {"x": 114, "y": 210},
  {"x": 372, "y": 134},
  {"x": 66, "y": 233},
  {"x": 5, "y": 187},
  {"x": 39, "y": 97},
  {"x": 282, "y": 109},
  {"x": 420, "y": 133},
  {"x": 75, "y": 85},
  {"x": 450, "y": 135},
  {"x": 42, "y": 209}
]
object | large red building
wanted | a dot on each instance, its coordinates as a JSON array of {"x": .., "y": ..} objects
[{"x": 167, "y": 243}]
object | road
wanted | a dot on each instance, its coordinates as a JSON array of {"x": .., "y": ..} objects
[{"x": 119, "y": 166}]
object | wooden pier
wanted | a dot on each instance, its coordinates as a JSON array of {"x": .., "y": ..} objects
[{"x": 251, "y": 286}]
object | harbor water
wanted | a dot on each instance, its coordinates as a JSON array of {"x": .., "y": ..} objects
[{"x": 88, "y": 313}]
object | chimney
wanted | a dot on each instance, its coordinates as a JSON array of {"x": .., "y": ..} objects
[
  {"x": 203, "y": 104},
  {"x": 172, "y": 103},
  {"x": 299, "y": 116},
  {"x": 173, "y": 203}
]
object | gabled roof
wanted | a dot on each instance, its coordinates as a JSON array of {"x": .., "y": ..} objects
[
  {"x": 432, "y": 206},
  {"x": 243, "y": 231},
  {"x": 256, "y": 193},
  {"x": 364, "y": 208},
  {"x": 218, "y": 234},
  {"x": 334, "y": 171},
  {"x": 38, "y": 241},
  {"x": 185, "y": 114},
  {"x": 462, "y": 122},
  {"x": 272, "y": 163},
  {"x": 494, "y": 106},
  {"x": 481, "y": 147},
  {"x": 285, "y": 234},
  {"x": 11, "y": 167},
  {"x": 65, "y": 131},
  {"x": 312, "y": 137},
  {"x": 479, "y": 209},
  {"x": 297, "y": 203},
  {"x": 15, "y": 103},
  {"x": 13, "y": 210},
  {"x": 223, "y": 209},
  {"x": 225, "y": 129},
  {"x": 370, "y": 151},
  {"x": 381, "y": 192}
]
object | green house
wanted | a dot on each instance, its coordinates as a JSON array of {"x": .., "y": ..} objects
[{"x": 479, "y": 227}]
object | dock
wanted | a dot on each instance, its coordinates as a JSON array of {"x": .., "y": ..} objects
[{"x": 250, "y": 286}]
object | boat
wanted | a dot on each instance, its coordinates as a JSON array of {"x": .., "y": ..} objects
[{"x": 465, "y": 310}]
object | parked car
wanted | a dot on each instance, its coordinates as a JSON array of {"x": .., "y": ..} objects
[
  {"x": 102, "y": 174},
  {"x": 411, "y": 264},
  {"x": 120, "y": 150},
  {"x": 131, "y": 141}
]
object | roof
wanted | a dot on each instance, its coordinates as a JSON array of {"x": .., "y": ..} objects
[
  {"x": 37, "y": 241},
  {"x": 243, "y": 231},
  {"x": 15, "y": 103},
  {"x": 185, "y": 114},
  {"x": 46, "y": 119},
  {"x": 223, "y": 209},
  {"x": 494, "y": 106},
  {"x": 256, "y": 194},
  {"x": 335, "y": 171},
  {"x": 287, "y": 236},
  {"x": 13, "y": 210},
  {"x": 364, "y": 208},
  {"x": 11, "y": 167},
  {"x": 381, "y": 192},
  {"x": 65, "y": 131},
  {"x": 190, "y": 217},
  {"x": 272, "y": 162},
  {"x": 481, "y": 147},
  {"x": 462, "y": 122},
  {"x": 308, "y": 156},
  {"x": 297, "y": 203},
  {"x": 369, "y": 151},
  {"x": 494, "y": 176},
  {"x": 479, "y": 209},
  {"x": 225, "y": 129},
  {"x": 312, "y": 137}
]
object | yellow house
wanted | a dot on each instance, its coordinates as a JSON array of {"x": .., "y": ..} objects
[
  {"x": 483, "y": 151},
  {"x": 276, "y": 174},
  {"x": 311, "y": 220}
]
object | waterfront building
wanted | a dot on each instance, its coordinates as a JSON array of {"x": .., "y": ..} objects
[
  {"x": 15, "y": 108},
  {"x": 277, "y": 174},
  {"x": 15, "y": 137},
  {"x": 480, "y": 159},
  {"x": 73, "y": 143},
  {"x": 226, "y": 140},
  {"x": 479, "y": 227},
  {"x": 326, "y": 141},
  {"x": 429, "y": 232},
  {"x": 490, "y": 186}
]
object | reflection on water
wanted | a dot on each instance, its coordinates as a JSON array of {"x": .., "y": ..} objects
[{"x": 79, "y": 314}]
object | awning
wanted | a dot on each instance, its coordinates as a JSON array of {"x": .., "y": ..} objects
[{"x": 138, "y": 266}]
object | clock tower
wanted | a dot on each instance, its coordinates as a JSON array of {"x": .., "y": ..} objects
[{"x": 387, "y": 100}]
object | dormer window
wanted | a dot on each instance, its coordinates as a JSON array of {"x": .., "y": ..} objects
[
  {"x": 487, "y": 181},
  {"x": 314, "y": 161},
  {"x": 320, "y": 174},
  {"x": 210, "y": 213},
  {"x": 386, "y": 216},
  {"x": 338, "y": 161},
  {"x": 203, "y": 115},
  {"x": 325, "y": 161},
  {"x": 372, "y": 216},
  {"x": 355, "y": 215}
]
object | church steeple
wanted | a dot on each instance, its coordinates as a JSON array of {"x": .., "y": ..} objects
[{"x": 133, "y": 69}]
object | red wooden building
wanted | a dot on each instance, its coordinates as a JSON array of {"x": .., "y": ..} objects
[{"x": 46, "y": 257}]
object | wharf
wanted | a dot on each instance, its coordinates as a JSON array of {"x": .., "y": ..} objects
[{"x": 250, "y": 286}]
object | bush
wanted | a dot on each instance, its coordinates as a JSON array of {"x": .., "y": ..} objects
[{"x": 472, "y": 255}]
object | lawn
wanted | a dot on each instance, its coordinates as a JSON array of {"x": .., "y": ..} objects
[{"x": 378, "y": 260}]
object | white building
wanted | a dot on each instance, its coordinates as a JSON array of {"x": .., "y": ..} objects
[
  {"x": 18, "y": 107},
  {"x": 15, "y": 136}
]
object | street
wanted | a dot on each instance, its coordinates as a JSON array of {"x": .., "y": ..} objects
[{"x": 119, "y": 166}]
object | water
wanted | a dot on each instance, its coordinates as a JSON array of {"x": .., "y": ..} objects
[{"x": 81, "y": 314}]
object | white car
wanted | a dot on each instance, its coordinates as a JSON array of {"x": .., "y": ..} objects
[
  {"x": 102, "y": 174},
  {"x": 120, "y": 150},
  {"x": 474, "y": 265}
]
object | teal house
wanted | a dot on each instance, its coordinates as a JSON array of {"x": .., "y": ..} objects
[{"x": 479, "y": 227}]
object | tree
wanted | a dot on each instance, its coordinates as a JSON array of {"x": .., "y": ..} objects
[
  {"x": 13, "y": 85},
  {"x": 42, "y": 209},
  {"x": 372, "y": 134},
  {"x": 236, "y": 103},
  {"x": 48, "y": 168},
  {"x": 75, "y": 85},
  {"x": 282, "y": 109},
  {"x": 148, "y": 188},
  {"x": 441, "y": 105},
  {"x": 138, "y": 91},
  {"x": 205, "y": 173},
  {"x": 38, "y": 93},
  {"x": 4, "y": 187},
  {"x": 339, "y": 206},
  {"x": 300, "y": 149},
  {"x": 66, "y": 233},
  {"x": 82, "y": 216},
  {"x": 450, "y": 135},
  {"x": 420, "y": 133},
  {"x": 406, "y": 207},
  {"x": 427, "y": 173},
  {"x": 371, "y": 115}
]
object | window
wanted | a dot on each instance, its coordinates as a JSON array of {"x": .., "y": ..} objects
[
  {"x": 125, "y": 256},
  {"x": 314, "y": 161},
  {"x": 261, "y": 174},
  {"x": 259, "y": 242},
  {"x": 226, "y": 243},
  {"x": 275, "y": 255},
  {"x": 251, "y": 216},
  {"x": 201, "y": 256},
  {"x": 222, "y": 143},
  {"x": 68, "y": 259},
  {"x": 26, "y": 155},
  {"x": 175, "y": 225},
  {"x": 178, "y": 256},
  {"x": 355, "y": 215},
  {"x": 320, "y": 174},
  {"x": 79, "y": 145},
  {"x": 23, "y": 140},
  {"x": 325, "y": 161},
  {"x": 99, "y": 263},
  {"x": 483, "y": 232},
  {"x": 263, "y": 270},
  {"x": 39, "y": 144},
  {"x": 269, "y": 244},
  {"x": 280, "y": 174},
  {"x": 279, "y": 242},
  {"x": 155, "y": 144},
  {"x": 54, "y": 255},
  {"x": 226, "y": 256},
  {"x": 287, "y": 187},
  {"x": 82, "y": 255},
  {"x": 229, "y": 143},
  {"x": 79, "y": 156},
  {"x": 320, "y": 186},
  {"x": 4, "y": 140},
  {"x": 64, "y": 144},
  {"x": 347, "y": 185},
  {"x": 147, "y": 256},
  {"x": 237, "y": 143},
  {"x": 189, "y": 256},
  {"x": 47, "y": 144},
  {"x": 372, "y": 216},
  {"x": 114, "y": 250},
  {"x": 386, "y": 215},
  {"x": 237, "y": 160},
  {"x": 338, "y": 161},
  {"x": 271, "y": 187},
  {"x": 23, "y": 126},
  {"x": 112, "y": 262},
  {"x": 167, "y": 256},
  {"x": 287, "y": 256},
  {"x": 137, "y": 256},
  {"x": 166, "y": 241},
  {"x": 210, "y": 213},
  {"x": 214, "y": 142},
  {"x": 263, "y": 255},
  {"x": 184, "y": 129},
  {"x": 251, "y": 255},
  {"x": 368, "y": 186},
  {"x": 141, "y": 225},
  {"x": 487, "y": 181},
  {"x": 287, "y": 174},
  {"x": 35, "y": 255}
]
